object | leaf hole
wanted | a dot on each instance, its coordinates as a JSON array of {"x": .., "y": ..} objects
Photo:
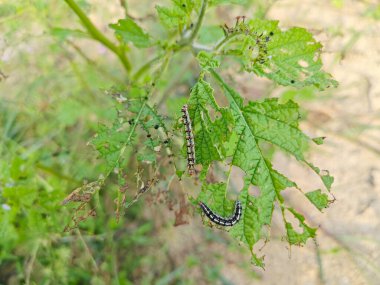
[
  {"x": 254, "y": 191},
  {"x": 303, "y": 63}
]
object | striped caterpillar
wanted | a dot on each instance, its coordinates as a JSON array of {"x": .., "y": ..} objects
[
  {"x": 190, "y": 143},
  {"x": 227, "y": 222}
]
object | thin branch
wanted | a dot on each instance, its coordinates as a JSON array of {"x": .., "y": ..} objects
[
  {"x": 93, "y": 63},
  {"x": 89, "y": 253},
  {"x": 224, "y": 41},
  {"x": 197, "y": 26},
  {"x": 99, "y": 36},
  {"x": 321, "y": 275},
  {"x": 145, "y": 67}
]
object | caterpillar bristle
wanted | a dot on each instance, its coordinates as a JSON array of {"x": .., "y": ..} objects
[
  {"x": 222, "y": 221},
  {"x": 189, "y": 140}
]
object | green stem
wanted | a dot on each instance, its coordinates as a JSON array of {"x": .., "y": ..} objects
[
  {"x": 99, "y": 36},
  {"x": 198, "y": 24},
  {"x": 321, "y": 275},
  {"x": 145, "y": 67},
  {"x": 224, "y": 41}
]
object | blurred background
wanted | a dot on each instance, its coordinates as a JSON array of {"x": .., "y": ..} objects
[{"x": 52, "y": 97}]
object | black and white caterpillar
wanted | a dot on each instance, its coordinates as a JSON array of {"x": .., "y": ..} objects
[
  {"x": 226, "y": 222},
  {"x": 190, "y": 143}
]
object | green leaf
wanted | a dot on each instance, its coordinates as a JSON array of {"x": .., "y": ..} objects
[
  {"x": 293, "y": 58},
  {"x": 110, "y": 141},
  {"x": 319, "y": 199},
  {"x": 171, "y": 17},
  {"x": 290, "y": 57},
  {"x": 276, "y": 124},
  {"x": 222, "y": 128},
  {"x": 214, "y": 195},
  {"x": 328, "y": 180},
  {"x": 319, "y": 140},
  {"x": 295, "y": 237},
  {"x": 257, "y": 261},
  {"x": 129, "y": 31},
  {"x": 207, "y": 148},
  {"x": 207, "y": 61},
  {"x": 179, "y": 14},
  {"x": 147, "y": 158}
]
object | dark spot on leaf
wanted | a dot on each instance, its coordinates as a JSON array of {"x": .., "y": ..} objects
[
  {"x": 156, "y": 127},
  {"x": 292, "y": 81},
  {"x": 148, "y": 135},
  {"x": 271, "y": 33}
]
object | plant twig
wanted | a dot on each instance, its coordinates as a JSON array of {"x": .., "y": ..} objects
[
  {"x": 197, "y": 26},
  {"x": 321, "y": 275},
  {"x": 145, "y": 67},
  {"x": 93, "y": 63},
  {"x": 99, "y": 36},
  {"x": 87, "y": 249},
  {"x": 224, "y": 41}
]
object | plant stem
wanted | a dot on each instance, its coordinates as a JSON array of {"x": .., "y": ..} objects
[
  {"x": 225, "y": 40},
  {"x": 99, "y": 36},
  {"x": 197, "y": 26},
  {"x": 321, "y": 275},
  {"x": 88, "y": 251},
  {"x": 145, "y": 67}
]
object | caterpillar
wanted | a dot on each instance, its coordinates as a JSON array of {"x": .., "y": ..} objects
[
  {"x": 227, "y": 222},
  {"x": 190, "y": 143}
]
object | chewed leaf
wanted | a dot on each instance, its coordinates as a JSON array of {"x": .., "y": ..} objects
[
  {"x": 319, "y": 140},
  {"x": 257, "y": 261},
  {"x": 278, "y": 125},
  {"x": 328, "y": 180},
  {"x": 207, "y": 147},
  {"x": 319, "y": 199},
  {"x": 129, "y": 31},
  {"x": 214, "y": 195},
  {"x": 293, "y": 236},
  {"x": 291, "y": 57},
  {"x": 112, "y": 142},
  {"x": 207, "y": 61},
  {"x": 109, "y": 141}
]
